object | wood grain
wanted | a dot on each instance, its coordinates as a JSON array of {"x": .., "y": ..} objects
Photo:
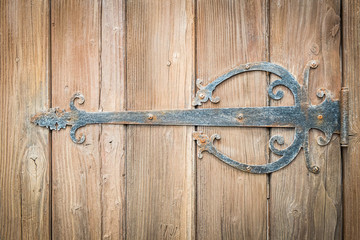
[
  {"x": 160, "y": 164},
  {"x": 24, "y": 149},
  {"x": 76, "y": 205},
  {"x": 351, "y": 74},
  {"x": 305, "y": 205},
  {"x": 113, "y": 137},
  {"x": 232, "y": 204},
  {"x": 141, "y": 182}
]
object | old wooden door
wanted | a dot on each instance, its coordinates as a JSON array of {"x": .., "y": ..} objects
[{"x": 146, "y": 182}]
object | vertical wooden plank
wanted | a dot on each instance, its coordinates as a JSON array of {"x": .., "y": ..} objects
[
  {"x": 112, "y": 140},
  {"x": 351, "y": 75},
  {"x": 304, "y": 205},
  {"x": 24, "y": 148},
  {"x": 232, "y": 204},
  {"x": 160, "y": 73},
  {"x": 76, "y": 204}
]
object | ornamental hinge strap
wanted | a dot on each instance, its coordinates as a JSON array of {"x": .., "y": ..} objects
[{"x": 330, "y": 116}]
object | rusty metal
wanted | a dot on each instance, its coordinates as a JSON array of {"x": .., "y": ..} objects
[{"x": 302, "y": 116}]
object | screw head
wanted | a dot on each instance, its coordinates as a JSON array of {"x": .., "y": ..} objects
[
  {"x": 202, "y": 140},
  {"x": 247, "y": 66},
  {"x": 150, "y": 117},
  {"x": 248, "y": 168},
  {"x": 315, "y": 169},
  {"x": 201, "y": 96},
  {"x": 314, "y": 64},
  {"x": 320, "y": 117},
  {"x": 240, "y": 116}
]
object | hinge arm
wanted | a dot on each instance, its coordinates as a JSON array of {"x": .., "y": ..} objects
[{"x": 330, "y": 116}]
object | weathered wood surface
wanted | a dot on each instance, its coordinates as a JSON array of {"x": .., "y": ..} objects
[
  {"x": 232, "y": 204},
  {"x": 351, "y": 155},
  {"x": 113, "y": 137},
  {"x": 304, "y": 205},
  {"x": 24, "y": 148},
  {"x": 140, "y": 181},
  {"x": 76, "y": 168},
  {"x": 88, "y": 40},
  {"x": 160, "y": 163}
]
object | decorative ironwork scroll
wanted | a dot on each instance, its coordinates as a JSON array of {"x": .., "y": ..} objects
[{"x": 302, "y": 116}]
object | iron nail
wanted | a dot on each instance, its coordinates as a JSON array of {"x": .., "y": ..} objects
[
  {"x": 240, "y": 116},
  {"x": 168, "y": 63},
  {"x": 201, "y": 96},
  {"x": 150, "y": 117},
  {"x": 315, "y": 169},
  {"x": 313, "y": 64},
  {"x": 320, "y": 117}
]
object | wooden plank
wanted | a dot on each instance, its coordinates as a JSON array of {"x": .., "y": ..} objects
[
  {"x": 160, "y": 164},
  {"x": 112, "y": 139},
  {"x": 305, "y": 205},
  {"x": 76, "y": 205},
  {"x": 351, "y": 75},
  {"x": 24, "y": 148},
  {"x": 232, "y": 204}
]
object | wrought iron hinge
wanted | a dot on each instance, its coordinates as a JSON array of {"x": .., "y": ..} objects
[{"x": 330, "y": 116}]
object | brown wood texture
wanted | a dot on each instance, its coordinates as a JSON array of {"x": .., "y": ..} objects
[
  {"x": 160, "y": 163},
  {"x": 24, "y": 148},
  {"x": 351, "y": 155},
  {"x": 76, "y": 203},
  {"x": 305, "y": 205},
  {"x": 112, "y": 139},
  {"x": 88, "y": 40},
  {"x": 232, "y": 204},
  {"x": 145, "y": 182}
]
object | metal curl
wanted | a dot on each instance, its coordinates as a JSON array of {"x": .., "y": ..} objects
[
  {"x": 200, "y": 151},
  {"x": 213, "y": 137},
  {"x": 73, "y": 134},
  {"x": 309, "y": 165},
  {"x": 324, "y": 141},
  {"x": 214, "y": 99},
  {"x": 81, "y": 100},
  {"x": 280, "y": 140},
  {"x": 199, "y": 83},
  {"x": 323, "y": 93},
  {"x": 204, "y": 142},
  {"x": 204, "y": 94},
  {"x": 310, "y": 65},
  {"x": 287, "y": 155},
  {"x": 279, "y": 93}
]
